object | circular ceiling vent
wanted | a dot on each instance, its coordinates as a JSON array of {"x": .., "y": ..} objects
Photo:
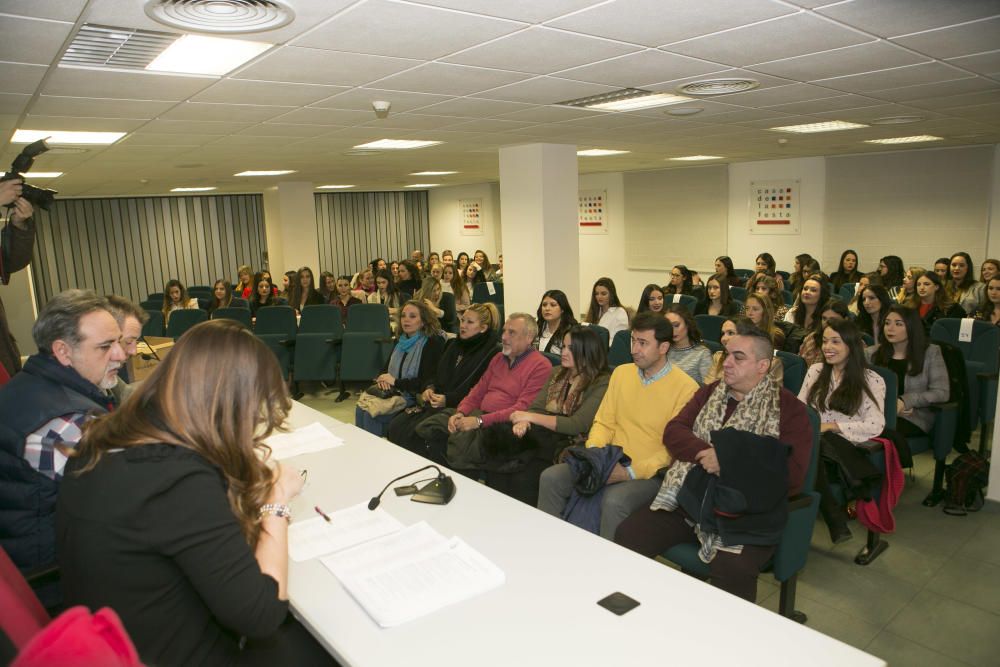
[
  {"x": 896, "y": 120},
  {"x": 707, "y": 87},
  {"x": 221, "y": 16}
]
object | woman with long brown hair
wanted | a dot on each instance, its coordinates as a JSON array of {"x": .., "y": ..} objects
[{"x": 173, "y": 514}]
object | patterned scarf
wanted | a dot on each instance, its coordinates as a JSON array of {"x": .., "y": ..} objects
[{"x": 563, "y": 397}]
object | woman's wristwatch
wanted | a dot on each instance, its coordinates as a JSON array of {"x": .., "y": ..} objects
[{"x": 276, "y": 509}]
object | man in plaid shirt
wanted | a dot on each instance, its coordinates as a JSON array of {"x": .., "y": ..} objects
[{"x": 42, "y": 412}]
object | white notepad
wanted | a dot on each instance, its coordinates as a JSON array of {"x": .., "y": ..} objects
[
  {"x": 412, "y": 573},
  {"x": 347, "y": 527},
  {"x": 312, "y": 438}
]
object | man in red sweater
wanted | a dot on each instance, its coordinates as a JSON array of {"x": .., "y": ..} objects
[
  {"x": 511, "y": 382},
  {"x": 654, "y": 529}
]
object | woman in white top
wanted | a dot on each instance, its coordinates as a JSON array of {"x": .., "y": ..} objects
[
  {"x": 850, "y": 400},
  {"x": 555, "y": 317},
  {"x": 605, "y": 308},
  {"x": 175, "y": 297}
]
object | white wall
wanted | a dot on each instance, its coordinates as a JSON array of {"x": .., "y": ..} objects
[
  {"x": 446, "y": 219},
  {"x": 743, "y": 246}
]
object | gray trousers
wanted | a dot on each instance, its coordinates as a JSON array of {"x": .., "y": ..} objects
[{"x": 620, "y": 500}]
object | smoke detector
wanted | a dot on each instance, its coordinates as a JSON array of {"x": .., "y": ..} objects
[{"x": 230, "y": 17}]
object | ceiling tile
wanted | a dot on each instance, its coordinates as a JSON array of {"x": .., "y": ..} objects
[
  {"x": 960, "y": 40},
  {"x": 531, "y": 11},
  {"x": 228, "y": 112},
  {"x": 446, "y": 79},
  {"x": 656, "y": 22},
  {"x": 381, "y": 27},
  {"x": 470, "y": 107},
  {"x": 785, "y": 37},
  {"x": 873, "y": 82},
  {"x": 867, "y": 114},
  {"x": 826, "y": 104},
  {"x": 87, "y": 107},
  {"x": 29, "y": 41},
  {"x": 545, "y": 90},
  {"x": 170, "y": 140},
  {"x": 58, "y": 10},
  {"x": 78, "y": 82},
  {"x": 283, "y": 130},
  {"x": 940, "y": 91},
  {"x": 239, "y": 91},
  {"x": 841, "y": 62},
  {"x": 488, "y": 125},
  {"x": 360, "y": 99},
  {"x": 639, "y": 70},
  {"x": 549, "y": 114},
  {"x": 13, "y": 104},
  {"x": 981, "y": 63},
  {"x": 193, "y": 126},
  {"x": 73, "y": 123},
  {"x": 541, "y": 51},
  {"x": 409, "y": 121},
  {"x": 300, "y": 65},
  {"x": 313, "y": 116},
  {"x": 796, "y": 92},
  {"x": 945, "y": 102},
  {"x": 21, "y": 78},
  {"x": 888, "y": 18}
]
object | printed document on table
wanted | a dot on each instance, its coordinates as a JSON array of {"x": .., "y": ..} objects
[
  {"x": 312, "y": 438},
  {"x": 346, "y": 528},
  {"x": 412, "y": 573}
]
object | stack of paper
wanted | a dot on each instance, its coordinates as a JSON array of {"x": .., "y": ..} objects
[
  {"x": 312, "y": 438},
  {"x": 346, "y": 528},
  {"x": 412, "y": 573}
]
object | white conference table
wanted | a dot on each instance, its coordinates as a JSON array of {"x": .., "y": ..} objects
[{"x": 546, "y": 612}]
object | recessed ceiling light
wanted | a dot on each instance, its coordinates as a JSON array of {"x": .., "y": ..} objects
[
  {"x": 333, "y": 187},
  {"x": 198, "y": 189},
  {"x": 896, "y": 120},
  {"x": 396, "y": 144},
  {"x": 432, "y": 173},
  {"x": 196, "y": 54},
  {"x": 423, "y": 185},
  {"x": 64, "y": 137},
  {"x": 905, "y": 140},
  {"x": 829, "y": 126},
  {"x": 39, "y": 174},
  {"x": 276, "y": 172},
  {"x": 694, "y": 158},
  {"x": 709, "y": 87},
  {"x": 626, "y": 99},
  {"x": 684, "y": 111},
  {"x": 600, "y": 152}
]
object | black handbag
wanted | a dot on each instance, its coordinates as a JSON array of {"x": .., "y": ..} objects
[
  {"x": 854, "y": 467},
  {"x": 378, "y": 392}
]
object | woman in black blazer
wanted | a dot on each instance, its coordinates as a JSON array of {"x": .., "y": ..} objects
[
  {"x": 174, "y": 514},
  {"x": 717, "y": 300}
]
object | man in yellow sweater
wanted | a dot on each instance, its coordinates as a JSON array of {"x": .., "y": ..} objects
[{"x": 641, "y": 398}]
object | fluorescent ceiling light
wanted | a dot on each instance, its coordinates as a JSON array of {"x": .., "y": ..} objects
[
  {"x": 396, "y": 144},
  {"x": 600, "y": 152},
  {"x": 693, "y": 158},
  {"x": 64, "y": 137},
  {"x": 40, "y": 174},
  {"x": 333, "y": 187},
  {"x": 276, "y": 172},
  {"x": 905, "y": 140},
  {"x": 198, "y": 189},
  {"x": 423, "y": 185},
  {"x": 432, "y": 173},
  {"x": 195, "y": 54},
  {"x": 829, "y": 126},
  {"x": 644, "y": 102}
]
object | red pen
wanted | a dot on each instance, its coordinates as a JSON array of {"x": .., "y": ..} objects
[{"x": 322, "y": 513}]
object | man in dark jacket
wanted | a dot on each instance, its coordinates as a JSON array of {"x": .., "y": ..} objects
[
  {"x": 16, "y": 244},
  {"x": 749, "y": 401},
  {"x": 43, "y": 409}
]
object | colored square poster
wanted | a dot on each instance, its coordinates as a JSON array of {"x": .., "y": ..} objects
[
  {"x": 775, "y": 207},
  {"x": 592, "y": 212},
  {"x": 471, "y": 211}
]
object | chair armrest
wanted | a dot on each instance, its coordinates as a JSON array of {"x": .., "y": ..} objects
[
  {"x": 986, "y": 376},
  {"x": 42, "y": 575},
  {"x": 799, "y": 502},
  {"x": 287, "y": 342},
  {"x": 943, "y": 407}
]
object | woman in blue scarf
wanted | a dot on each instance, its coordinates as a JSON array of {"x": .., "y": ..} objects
[{"x": 411, "y": 366}]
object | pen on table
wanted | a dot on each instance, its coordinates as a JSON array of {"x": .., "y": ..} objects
[{"x": 322, "y": 513}]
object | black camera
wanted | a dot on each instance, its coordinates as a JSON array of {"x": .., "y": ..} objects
[{"x": 39, "y": 197}]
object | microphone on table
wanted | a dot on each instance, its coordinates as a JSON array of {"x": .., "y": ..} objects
[{"x": 438, "y": 492}]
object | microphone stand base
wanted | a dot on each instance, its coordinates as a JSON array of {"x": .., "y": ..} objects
[{"x": 438, "y": 492}]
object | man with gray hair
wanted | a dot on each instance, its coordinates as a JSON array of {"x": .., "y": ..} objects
[
  {"x": 512, "y": 380},
  {"x": 42, "y": 412}
]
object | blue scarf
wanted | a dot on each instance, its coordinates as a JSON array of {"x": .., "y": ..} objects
[{"x": 404, "y": 364}]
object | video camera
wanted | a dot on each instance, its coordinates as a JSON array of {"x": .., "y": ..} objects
[{"x": 39, "y": 197}]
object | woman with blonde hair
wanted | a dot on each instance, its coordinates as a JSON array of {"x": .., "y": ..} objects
[
  {"x": 758, "y": 310},
  {"x": 174, "y": 514}
]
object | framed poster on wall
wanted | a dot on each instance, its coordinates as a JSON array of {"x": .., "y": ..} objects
[
  {"x": 775, "y": 207},
  {"x": 471, "y": 221},
  {"x": 592, "y": 212}
]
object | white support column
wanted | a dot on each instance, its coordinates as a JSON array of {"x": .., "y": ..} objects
[
  {"x": 290, "y": 227},
  {"x": 538, "y": 201}
]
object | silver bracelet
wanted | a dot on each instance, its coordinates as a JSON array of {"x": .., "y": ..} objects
[{"x": 276, "y": 509}]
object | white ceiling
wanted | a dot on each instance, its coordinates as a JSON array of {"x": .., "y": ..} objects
[{"x": 478, "y": 75}]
